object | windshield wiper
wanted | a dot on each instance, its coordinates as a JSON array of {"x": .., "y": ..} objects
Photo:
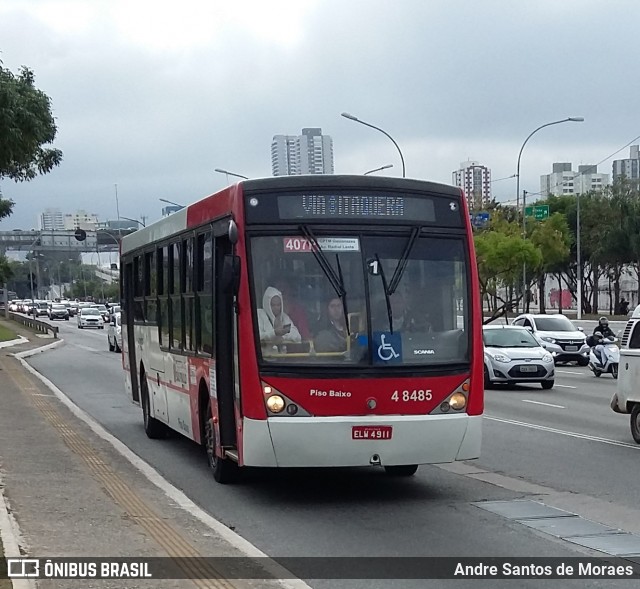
[
  {"x": 402, "y": 262},
  {"x": 387, "y": 294},
  {"x": 336, "y": 280}
]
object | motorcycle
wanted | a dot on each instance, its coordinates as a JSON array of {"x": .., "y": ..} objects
[{"x": 610, "y": 357}]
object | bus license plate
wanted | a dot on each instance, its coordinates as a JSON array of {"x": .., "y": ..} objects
[
  {"x": 371, "y": 432},
  {"x": 528, "y": 369}
]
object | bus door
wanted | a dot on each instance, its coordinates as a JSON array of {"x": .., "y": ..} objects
[
  {"x": 226, "y": 343},
  {"x": 131, "y": 336}
]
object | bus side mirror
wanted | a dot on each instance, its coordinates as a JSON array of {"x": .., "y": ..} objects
[{"x": 230, "y": 274}]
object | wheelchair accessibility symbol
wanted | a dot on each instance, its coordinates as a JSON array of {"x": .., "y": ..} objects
[
  {"x": 386, "y": 351},
  {"x": 389, "y": 347}
]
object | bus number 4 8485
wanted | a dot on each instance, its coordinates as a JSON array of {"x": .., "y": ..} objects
[{"x": 415, "y": 395}]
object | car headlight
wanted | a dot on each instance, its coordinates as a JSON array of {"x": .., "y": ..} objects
[
  {"x": 501, "y": 358},
  {"x": 548, "y": 339},
  {"x": 547, "y": 358}
]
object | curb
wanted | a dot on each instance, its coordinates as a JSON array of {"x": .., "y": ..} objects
[
  {"x": 12, "y": 538},
  {"x": 14, "y": 342}
]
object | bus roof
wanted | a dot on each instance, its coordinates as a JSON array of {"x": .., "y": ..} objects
[{"x": 215, "y": 205}]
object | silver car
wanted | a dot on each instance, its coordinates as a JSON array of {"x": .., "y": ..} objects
[
  {"x": 512, "y": 355},
  {"x": 562, "y": 339}
]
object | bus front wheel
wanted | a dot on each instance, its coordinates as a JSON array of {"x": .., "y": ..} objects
[
  {"x": 635, "y": 423},
  {"x": 224, "y": 470},
  {"x": 403, "y": 470}
]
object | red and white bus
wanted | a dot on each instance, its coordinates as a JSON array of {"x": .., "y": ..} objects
[{"x": 309, "y": 321}]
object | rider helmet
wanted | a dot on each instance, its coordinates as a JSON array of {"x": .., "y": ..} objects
[{"x": 604, "y": 322}]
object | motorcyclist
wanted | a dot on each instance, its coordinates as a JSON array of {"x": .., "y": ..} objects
[{"x": 601, "y": 334}]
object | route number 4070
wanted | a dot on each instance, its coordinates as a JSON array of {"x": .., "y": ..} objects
[{"x": 415, "y": 395}]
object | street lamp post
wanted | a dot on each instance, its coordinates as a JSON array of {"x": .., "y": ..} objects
[
  {"x": 221, "y": 171},
  {"x": 346, "y": 115},
  {"x": 524, "y": 204},
  {"x": 132, "y": 220},
  {"x": 379, "y": 169},
  {"x": 175, "y": 204}
]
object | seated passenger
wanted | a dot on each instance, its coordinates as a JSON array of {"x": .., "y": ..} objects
[
  {"x": 295, "y": 310},
  {"x": 274, "y": 324},
  {"x": 333, "y": 335}
]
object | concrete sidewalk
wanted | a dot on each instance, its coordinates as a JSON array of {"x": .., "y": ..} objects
[{"x": 70, "y": 492}]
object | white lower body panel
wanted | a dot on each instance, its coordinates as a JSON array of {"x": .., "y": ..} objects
[{"x": 327, "y": 441}]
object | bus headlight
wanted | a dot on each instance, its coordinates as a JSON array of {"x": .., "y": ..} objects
[
  {"x": 275, "y": 403},
  {"x": 458, "y": 401}
]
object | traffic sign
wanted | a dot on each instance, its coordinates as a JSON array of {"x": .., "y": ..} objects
[
  {"x": 539, "y": 212},
  {"x": 479, "y": 219},
  {"x": 80, "y": 234}
]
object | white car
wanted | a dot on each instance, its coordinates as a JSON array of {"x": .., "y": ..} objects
[
  {"x": 114, "y": 333},
  {"x": 562, "y": 339},
  {"x": 512, "y": 355},
  {"x": 90, "y": 317}
]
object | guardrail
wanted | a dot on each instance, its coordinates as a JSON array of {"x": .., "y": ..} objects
[{"x": 35, "y": 324}]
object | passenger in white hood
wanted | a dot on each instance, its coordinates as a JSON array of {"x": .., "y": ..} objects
[{"x": 274, "y": 324}]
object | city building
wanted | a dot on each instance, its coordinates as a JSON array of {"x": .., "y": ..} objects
[
  {"x": 80, "y": 220},
  {"x": 475, "y": 181},
  {"x": 629, "y": 168},
  {"x": 51, "y": 220},
  {"x": 309, "y": 153},
  {"x": 563, "y": 180}
]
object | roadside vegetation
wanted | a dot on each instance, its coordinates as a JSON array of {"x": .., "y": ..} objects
[
  {"x": 6, "y": 334},
  {"x": 609, "y": 249}
]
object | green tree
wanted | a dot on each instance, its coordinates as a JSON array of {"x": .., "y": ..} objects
[
  {"x": 26, "y": 126},
  {"x": 501, "y": 252},
  {"x": 552, "y": 238}
]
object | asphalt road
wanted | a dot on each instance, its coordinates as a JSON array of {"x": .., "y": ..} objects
[{"x": 566, "y": 439}]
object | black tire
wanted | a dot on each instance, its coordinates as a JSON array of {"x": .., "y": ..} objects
[
  {"x": 635, "y": 423},
  {"x": 583, "y": 362},
  {"x": 111, "y": 347},
  {"x": 224, "y": 470},
  {"x": 487, "y": 380},
  {"x": 152, "y": 427},
  {"x": 66, "y": 318},
  {"x": 597, "y": 373},
  {"x": 117, "y": 347},
  {"x": 547, "y": 384},
  {"x": 402, "y": 470},
  {"x": 614, "y": 371},
  {"x": 80, "y": 327}
]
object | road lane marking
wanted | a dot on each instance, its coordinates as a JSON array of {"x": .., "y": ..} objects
[
  {"x": 541, "y": 403},
  {"x": 88, "y": 348},
  {"x": 570, "y": 372},
  {"x": 566, "y": 386},
  {"x": 564, "y": 433}
]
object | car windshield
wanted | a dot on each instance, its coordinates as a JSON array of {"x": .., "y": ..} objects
[
  {"x": 554, "y": 324},
  {"x": 361, "y": 301},
  {"x": 58, "y": 308},
  {"x": 509, "y": 338},
  {"x": 90, "y": 311}
]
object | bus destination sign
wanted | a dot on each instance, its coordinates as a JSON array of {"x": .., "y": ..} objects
[{"x": 355, "y": 206}]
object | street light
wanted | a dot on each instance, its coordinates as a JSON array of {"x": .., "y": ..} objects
[
  {"x": 524, "y": 204},
  {"x": 346, "y": 115},
  {"x": 171, "y": 202},
  {"x": 379, "y": 169},
  {"x": 132, "y": 220},
  {"x": 221, "y": 171}
]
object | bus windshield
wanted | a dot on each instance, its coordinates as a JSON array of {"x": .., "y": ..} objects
[{"x": 367, "y": 300}]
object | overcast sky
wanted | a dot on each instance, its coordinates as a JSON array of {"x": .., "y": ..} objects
[{"x": 151, "y": 96}]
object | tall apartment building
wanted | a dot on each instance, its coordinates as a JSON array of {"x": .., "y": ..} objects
[
  {"x": 563, "y": 180},
  {"x": 475, "y": 180},
  {"x": 309, "y": 153},
  {"x": 629, "y": 168},
  {"x": 51, "y": 220}
]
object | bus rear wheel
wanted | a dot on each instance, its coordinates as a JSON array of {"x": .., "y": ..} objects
[
  {"x": 635, "y": 423},
  {"x": 402, "y": 470},
  {"x": 224, "y": 470},
  {"x": 152, "y": 427}
]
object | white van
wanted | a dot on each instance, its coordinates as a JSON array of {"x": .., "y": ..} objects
[{"x": 627, "y": 396}]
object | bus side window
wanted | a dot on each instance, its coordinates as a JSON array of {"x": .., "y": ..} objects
[
  {"x": 634, "y": 340},
  {"x": 204, "y": 298}
]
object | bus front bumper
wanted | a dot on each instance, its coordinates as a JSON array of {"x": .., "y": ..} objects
[{"x": 330, "y": 442}]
